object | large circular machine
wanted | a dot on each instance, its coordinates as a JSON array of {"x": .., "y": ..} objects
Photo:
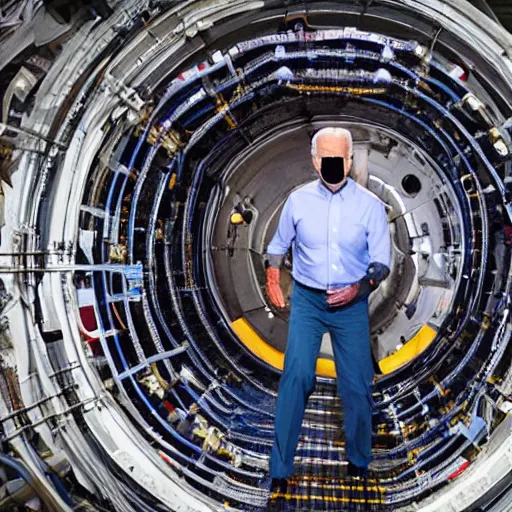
[{"x": 153, "y": 157}]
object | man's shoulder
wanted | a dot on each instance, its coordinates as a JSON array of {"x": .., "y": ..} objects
[
  {"x": 367, "y": 195},
  {"x": 305, "y": 189}
]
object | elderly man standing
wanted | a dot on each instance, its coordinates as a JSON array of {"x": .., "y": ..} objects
[{"x": 341, "y": 252}]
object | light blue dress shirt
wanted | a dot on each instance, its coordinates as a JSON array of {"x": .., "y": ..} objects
[{"x": 335, "y": 236}]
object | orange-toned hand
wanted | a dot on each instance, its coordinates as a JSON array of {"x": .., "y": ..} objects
[
  {"x": 274, "y": 292},
  {"x": 342, "y": 296}
]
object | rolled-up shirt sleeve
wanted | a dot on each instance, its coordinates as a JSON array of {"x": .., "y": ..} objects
[
  {"x": 379, "y": 239},
  {"x": 285, "y": 233}
]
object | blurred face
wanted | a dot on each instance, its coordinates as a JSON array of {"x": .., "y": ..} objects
[{"x": 333, "y": 171}]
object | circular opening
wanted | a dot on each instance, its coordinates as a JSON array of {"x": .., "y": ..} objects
[{"x": 411, "y": 185}]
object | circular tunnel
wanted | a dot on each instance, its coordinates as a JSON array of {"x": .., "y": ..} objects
[{"x": 162, "y": 144}]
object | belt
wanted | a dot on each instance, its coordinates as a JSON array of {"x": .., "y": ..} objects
[
  {"x": 311, "y": 289},
  {"x": 324, "y": 292}
]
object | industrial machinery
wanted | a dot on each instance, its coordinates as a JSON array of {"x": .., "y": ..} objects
[{"x": 147, "y": 149}]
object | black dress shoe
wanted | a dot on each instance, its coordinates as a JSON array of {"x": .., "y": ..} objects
[
  {"x": 279, "y": 484},
  {"x": 356, "y": 471}
]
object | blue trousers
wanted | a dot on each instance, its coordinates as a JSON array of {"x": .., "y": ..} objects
[{"x": 310, "y": 318}]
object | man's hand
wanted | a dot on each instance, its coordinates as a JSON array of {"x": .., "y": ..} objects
[
  {"x": 274, "y": 292},
  {"x": 375, "y": 274},
  {"x": 342, "y": 296}
]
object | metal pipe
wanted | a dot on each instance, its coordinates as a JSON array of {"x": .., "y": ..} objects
[
  {"x": 71, "y": 268},
  {"x": 23, "y": 253},
  {"x": 27, "y": 131}
]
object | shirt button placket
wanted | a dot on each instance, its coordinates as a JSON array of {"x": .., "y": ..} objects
[
  {"x": 329, "y": 241},
  {"x": 335, "y": 236}
]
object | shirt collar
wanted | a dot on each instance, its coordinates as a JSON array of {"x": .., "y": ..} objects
[{"x": 327, "y": 192}]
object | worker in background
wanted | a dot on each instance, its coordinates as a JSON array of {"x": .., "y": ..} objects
[
  {"x": 341, "y": 253},
  {"x": 240, "y": 215}
]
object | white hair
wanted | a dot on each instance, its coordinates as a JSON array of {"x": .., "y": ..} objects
[{"x": 340, "y": 132}]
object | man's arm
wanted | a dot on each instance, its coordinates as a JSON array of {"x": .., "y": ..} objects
[
  {"x": 276, "y": 250},
  {"x": 283, "y": 237},
  {"x": 379, "y": 239},
  {"x": 379, "y": 250}
]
